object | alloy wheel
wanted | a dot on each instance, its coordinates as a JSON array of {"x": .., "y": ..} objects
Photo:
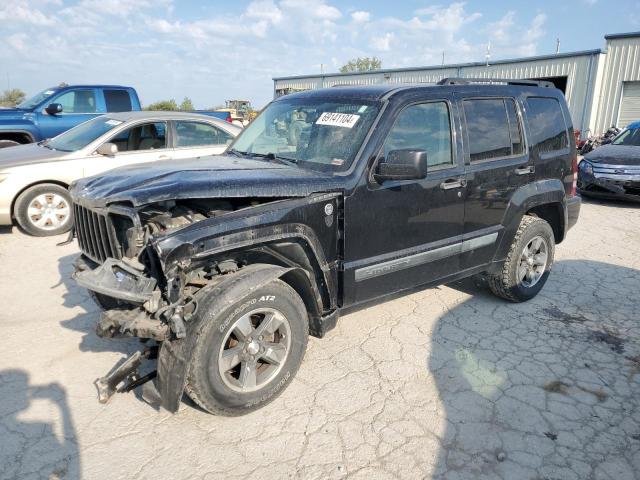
[
  {"x": 255, "y": 350},
  {"x": 533, "y": 261}
]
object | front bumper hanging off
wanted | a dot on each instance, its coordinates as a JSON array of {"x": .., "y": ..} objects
[{"x": 125, "y": 377}]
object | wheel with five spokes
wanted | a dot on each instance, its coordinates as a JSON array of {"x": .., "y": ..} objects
[
  {"x": 44, "y": 210},
  {"x": 528, "y": 263},
  {"x": 247, "y": 355}
]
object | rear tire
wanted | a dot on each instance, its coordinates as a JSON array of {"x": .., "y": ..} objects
[
  {"x": 528, "y": 264},
  {"x": 247, "y": 355},
  {"x": 44, "y": 210},
  {"x": 8, "y": 143}
]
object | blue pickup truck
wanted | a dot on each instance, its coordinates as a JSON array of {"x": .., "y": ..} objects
[{"x": 58, "y": 109}]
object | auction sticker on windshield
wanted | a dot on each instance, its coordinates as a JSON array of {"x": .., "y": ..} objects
[{"x": 338, "y": 119}]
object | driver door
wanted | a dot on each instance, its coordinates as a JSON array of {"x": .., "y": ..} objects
[
  {"x": 402, "y": 234},
  {"x": 141, "y": 143},
  {"x": 78, "y": 105}
]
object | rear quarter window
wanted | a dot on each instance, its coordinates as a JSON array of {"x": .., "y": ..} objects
[
  {"x": 117, "y": 100},
  {"x": 546, "y": 122}
]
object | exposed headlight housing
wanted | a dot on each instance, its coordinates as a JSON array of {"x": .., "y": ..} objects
[{"x": 586, "y": 167}]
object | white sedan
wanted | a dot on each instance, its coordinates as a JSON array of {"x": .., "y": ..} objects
[{"x": 34, "y": 177}]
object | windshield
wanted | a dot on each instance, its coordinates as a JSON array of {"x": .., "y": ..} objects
[
  {"x": 321, "y": 134},
  {"x": 39, "y": 98},
  {"x": 82, "y": 135},
  {"x": 629, "y": 137}
]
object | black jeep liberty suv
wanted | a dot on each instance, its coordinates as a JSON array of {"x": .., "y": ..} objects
[{"x": 328, "y": 201}]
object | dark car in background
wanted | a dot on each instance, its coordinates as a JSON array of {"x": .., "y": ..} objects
[{"x": 613, "y": 170}]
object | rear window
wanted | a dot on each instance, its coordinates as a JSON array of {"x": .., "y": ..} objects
[
  {"x": 117, "y": 100},
  {"x": 548, "y": 128},
  {"x": 493, "y": 128}
]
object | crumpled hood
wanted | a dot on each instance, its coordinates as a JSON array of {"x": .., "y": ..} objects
[
  {"x": 29, "y": 154},
  {"x": 217, "y": 176},
  {"x": 615, "y": 155}
]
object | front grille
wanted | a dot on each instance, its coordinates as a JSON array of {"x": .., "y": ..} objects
[{"x": 95, "y": 234}]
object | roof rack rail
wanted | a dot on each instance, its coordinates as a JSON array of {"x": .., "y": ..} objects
[{"x": 508, "y": 81}]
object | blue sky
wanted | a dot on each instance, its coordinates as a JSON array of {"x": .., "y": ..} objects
[{"x": 216, "y": 50}]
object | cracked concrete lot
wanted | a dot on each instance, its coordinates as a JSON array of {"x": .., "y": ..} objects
[{"x": 448, "y": 383}]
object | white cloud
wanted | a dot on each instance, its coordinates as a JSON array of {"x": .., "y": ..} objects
[
  {"x": 382, "y": 43},
  {"x": 23, "y": 12},
  {"x": 264, "y": 10},
  {"x": 317, "y": 9},
  {"x": 360, "y": 16},
  {"x": 153, "y": 46}
]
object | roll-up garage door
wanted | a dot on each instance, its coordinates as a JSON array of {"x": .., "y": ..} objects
[{"x": 630, "y": 104}]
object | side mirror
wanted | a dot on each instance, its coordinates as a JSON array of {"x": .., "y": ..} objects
[
  {"x": 107, "y": 149},
  {"x": 405, "y": 164},
  {"x": 53, "y": 109}
]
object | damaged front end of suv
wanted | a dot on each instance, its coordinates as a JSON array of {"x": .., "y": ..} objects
[
  {"x": 223, "y": 265},
  {"x": 148, "y": 266}
]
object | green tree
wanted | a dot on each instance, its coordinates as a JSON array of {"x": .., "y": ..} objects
[
  {"x": 163, "y": 105},
  {"x": 362, "y": 64},
  {"x": 186, "y": 105},
  {"x": 11, "y": 98}
]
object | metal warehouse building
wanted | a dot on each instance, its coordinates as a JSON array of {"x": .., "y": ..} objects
[{"x": 602, "y": 86}]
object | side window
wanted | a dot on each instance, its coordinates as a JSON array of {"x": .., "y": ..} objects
[
  {"x": 195, "y": 134},
  {"x": 117, "y": 100},
  {"x": 77, "y": 101},
  {"x": 148, "y": 136},
  {"x": 426, "y": 127},
  {"x": 548, "y": 128},
  {"x": 493, "y": 128}
]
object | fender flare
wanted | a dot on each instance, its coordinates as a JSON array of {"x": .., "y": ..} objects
[
  {"x": 535, "y": 194},
  {"x": 175, "y": 355}
]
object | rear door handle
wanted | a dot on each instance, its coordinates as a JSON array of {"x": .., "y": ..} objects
[
  {"x": 453, "y": 183},
  {"x": 525, "y": 170},
  {"x": 163, "y": 157}
]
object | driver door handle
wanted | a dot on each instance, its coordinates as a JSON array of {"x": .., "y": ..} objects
[
  {"x": 452, "y": 183},
  {"x": 525, "y": 170},
  {"x": 163, "y": 157}
]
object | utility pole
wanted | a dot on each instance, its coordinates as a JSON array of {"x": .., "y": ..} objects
[
  {"x": 557, "y": 45},
  {"x": 488, "y": 55},
  {"x": 443, "y": 58},
  {"x": 322, "y": 68}
]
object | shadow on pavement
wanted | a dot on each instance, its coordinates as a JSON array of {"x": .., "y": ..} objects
[
  {"x": 30, "y": 448},
  {"x": 543, "y": 389},
  {"x": 85, "y": 322}
]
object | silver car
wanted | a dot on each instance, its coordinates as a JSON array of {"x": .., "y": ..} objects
[{"x": 34, "y": 178}]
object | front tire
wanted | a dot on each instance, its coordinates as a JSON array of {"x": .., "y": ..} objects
[
  {"x": 44, "y": 210},
  {"x": 247, "y": 355},
  {"x": 528, "y": 264}
]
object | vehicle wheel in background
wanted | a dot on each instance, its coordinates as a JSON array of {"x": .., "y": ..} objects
[
  {"x": 528, "y": 263},
  {"x": 8, "y": 143},
  {"x": 44, "y": 209},
  {"x": 247, "y": 355}
]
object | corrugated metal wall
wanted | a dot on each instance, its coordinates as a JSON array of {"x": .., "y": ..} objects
[
  {"x": 622, "y": 64},
  {"x": 594, "y": 78},
  {"x": 576, "y": 68}
]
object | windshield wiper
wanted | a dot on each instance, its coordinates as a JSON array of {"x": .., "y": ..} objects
[
  {"x": 237, "y": 153},
  {"x": 45, "y": 144},
  {"x": 273, "y": 156}
]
